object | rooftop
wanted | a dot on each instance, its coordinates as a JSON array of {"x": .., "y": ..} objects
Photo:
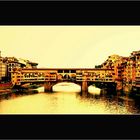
[{"x": 65, "y": 69}]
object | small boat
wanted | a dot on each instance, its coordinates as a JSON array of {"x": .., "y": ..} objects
[
  {"x": 94, "y": 90},
  {"x": 7, "y": 85}
]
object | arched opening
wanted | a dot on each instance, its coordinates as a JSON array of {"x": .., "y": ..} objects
[
  {"x": 66, "y": 87},
  {"x": 60, "y": 77},
  {"x": 66, "y": 77}
]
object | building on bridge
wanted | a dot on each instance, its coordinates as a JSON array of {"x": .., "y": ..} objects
[
  {"x": 53, "y": 76},
  {"x": 124, "y": 71}
]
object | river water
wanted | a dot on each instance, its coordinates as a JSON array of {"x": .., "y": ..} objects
[{"x": 68, "y": 103}]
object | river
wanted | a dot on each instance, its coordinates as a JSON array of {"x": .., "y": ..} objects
[{"x": 68, "y": 103}]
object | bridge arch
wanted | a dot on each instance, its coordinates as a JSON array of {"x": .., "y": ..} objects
[{"x": 66, "y": 87}]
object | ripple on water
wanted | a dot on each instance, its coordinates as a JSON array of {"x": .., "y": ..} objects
[{"x": 64, "y": 103}]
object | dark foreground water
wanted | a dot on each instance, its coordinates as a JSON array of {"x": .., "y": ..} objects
[{"x": 68, "y": 103}]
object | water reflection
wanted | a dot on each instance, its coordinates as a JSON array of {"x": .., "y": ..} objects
[{"x": 68, "y": 103}]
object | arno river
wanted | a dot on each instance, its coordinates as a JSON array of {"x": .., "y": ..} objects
[{"x": 68, "y": 103}]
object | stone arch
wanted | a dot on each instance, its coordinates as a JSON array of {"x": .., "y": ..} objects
[
  {"x": 65, "y": 84},
  {"x": 60, "y": 82}
]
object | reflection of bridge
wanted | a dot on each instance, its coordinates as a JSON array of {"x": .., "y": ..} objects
[{"x": 49, "y": 76}]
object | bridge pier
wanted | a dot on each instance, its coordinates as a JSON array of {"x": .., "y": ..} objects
[
  {"x": 84, "y": 87},
  {"x": 48, "y": 86},
  {"x": 119, "y": 85},
  {"x": 127, "y": 88}
]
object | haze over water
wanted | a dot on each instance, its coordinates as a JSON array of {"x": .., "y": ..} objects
[{"x": 67, "y": 103}]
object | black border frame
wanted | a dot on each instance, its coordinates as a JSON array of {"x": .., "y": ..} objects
[
  {"x": 70, "y": 126},
  {"x": 69, "y": 13}
]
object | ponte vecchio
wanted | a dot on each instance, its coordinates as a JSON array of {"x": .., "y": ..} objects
[{"x": 51, "y": 76}]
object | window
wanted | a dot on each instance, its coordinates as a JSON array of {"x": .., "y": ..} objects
[
  {"x": 60, "y": 71},
  {"x": 66, "y": 71},
  {"x": 73, "y": 71},
  {"x": 79, "y": 73}
]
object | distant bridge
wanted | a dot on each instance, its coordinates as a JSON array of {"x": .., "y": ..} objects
[{"x": 51, "y": 76}]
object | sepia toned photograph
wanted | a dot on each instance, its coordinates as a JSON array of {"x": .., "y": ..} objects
[{"x": 70, "y": 70}]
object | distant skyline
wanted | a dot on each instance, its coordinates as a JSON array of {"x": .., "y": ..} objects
[{"x": 68, "y": 46}]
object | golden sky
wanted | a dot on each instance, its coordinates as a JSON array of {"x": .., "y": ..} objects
[{"x": 68, "y": 46}]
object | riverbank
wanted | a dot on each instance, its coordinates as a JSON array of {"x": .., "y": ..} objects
[
  {"x": 16, "y": 91},
  {"x": 5, "y": 90}
]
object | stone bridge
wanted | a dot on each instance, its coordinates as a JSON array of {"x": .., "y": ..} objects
[{"x": 51, "y": 76}]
